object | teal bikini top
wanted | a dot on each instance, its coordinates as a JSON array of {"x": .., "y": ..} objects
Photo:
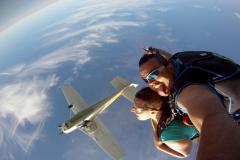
[{"x": 177, "y": 131}]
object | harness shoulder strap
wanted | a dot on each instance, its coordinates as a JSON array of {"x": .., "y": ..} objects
[{"x": 201, "y": 67}]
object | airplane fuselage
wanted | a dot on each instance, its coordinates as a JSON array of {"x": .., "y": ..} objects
[
  {"x": 65, "y": 129},
  {"x": 79, "y": 119},
  {"x": 86, "y": 119}
]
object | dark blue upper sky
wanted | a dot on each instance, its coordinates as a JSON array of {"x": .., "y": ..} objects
[
  {"x": 88, "y": 43},
  {"x": 13, "y": 11}
]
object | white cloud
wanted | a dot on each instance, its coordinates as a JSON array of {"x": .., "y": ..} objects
[
  {"x": 68, "y": 80},
  {"x": 98, "y": 29},
  {"x": 95, "y": 27},
  {"x": 25, "y": 106},
  {"x": 163, "y": 9},
  {"x": 29, "y": 94},
  {"x": 161, "y": 25},
  {"x": 93, "y": 8},
  {"x": 50, "y": 62},
  {"x": 166, "y": 34},
  {"x": 26, "y": 101},
  {"x": 55, "y": 59},
  {"x": 13, "y": 70},
  {"x": 114, "y": 67},
  {"x": 59, "y": 31},
  {"x": 96, "y": 17},
  {"x": 198, "y": 6},
  {"x": 217, "y": 9},
  {"x": 237, "y": 15}
]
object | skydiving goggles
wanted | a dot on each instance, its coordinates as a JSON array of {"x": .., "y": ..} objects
[{"x": 152, "y": 76}]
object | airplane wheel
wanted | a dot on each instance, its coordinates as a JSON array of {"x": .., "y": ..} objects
[{"x": 90, "y": 126}]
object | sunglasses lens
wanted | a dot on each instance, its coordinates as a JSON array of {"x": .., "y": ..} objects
[
  {"x": 152, "y": 77},
  {"x": 154, "y": 74}
]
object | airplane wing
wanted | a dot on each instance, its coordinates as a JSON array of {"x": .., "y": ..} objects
[
  {"x": 73, "y": 98},
  {"x": 119, "y": 83},
  {"x": 101, "y": 135},
  {"x": 105, "y": 140}
]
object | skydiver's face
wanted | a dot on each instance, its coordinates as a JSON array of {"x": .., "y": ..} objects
[
  {"x": 142, "y": 114},
  {"x": 163, "y": 83}
]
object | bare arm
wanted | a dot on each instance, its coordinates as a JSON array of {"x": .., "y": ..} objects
[
  {"x": 219, "y": 133},
  {"x": 177, "y": 149},
  {"x": 165, "y": 54},
  {"x": 184, "y": 147}
]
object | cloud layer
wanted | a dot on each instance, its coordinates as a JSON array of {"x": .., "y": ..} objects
[
  {"x": 25, "y": 104},
  {"x": 24, "y": 108}
]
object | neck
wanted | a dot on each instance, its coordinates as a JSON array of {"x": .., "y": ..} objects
[{"x": 156, "y": 118}]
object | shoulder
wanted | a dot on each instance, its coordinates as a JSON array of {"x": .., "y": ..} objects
[
  {"x": 199, "y": 101},
  {"x": 197, "y": 95},
  {"x": 192, "y": 90}
]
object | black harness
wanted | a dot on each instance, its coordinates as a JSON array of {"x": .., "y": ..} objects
[
  {"x": 195, "y": 67},
  {"x": 200, "y": 67}
]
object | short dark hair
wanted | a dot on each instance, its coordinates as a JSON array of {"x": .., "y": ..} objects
[{"x": 147, "y": 57}]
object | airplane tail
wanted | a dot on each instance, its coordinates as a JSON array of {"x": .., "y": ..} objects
[{"x": 119, "y": 83}]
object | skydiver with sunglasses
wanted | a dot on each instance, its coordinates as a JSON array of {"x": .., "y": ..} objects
[{"x": 203, "y": 85}]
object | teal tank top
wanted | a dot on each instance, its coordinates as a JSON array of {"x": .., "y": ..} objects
[{"x": 177, "y": 131}]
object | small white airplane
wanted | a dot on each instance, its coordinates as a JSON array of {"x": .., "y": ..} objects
[{"x": 86, "y": 119}]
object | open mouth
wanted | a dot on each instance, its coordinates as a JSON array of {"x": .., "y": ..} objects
[{"x": 162, "y": 90}]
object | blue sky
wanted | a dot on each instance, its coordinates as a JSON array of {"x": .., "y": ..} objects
[
  {"x": 14, "y": 11},
  {"x": 86, "y": 44}
]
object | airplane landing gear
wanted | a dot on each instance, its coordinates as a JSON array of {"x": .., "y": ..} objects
[{"x": 90, "y": 126}]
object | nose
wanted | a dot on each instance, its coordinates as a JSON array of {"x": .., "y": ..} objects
[{"x": 153, "y": 84}]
